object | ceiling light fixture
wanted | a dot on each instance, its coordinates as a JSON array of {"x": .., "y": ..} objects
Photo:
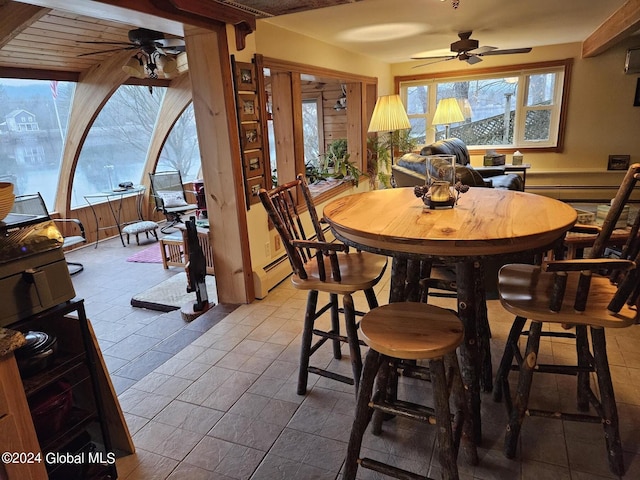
[
  {"x": 151, "y": 63},
  {"x": 341, "y": 103},
  {"x": 454, "y": 3}
]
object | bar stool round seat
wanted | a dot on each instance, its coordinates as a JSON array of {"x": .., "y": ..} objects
[
  {"x": 398, "y": 330},
  {"x": 411, "y": 331}
]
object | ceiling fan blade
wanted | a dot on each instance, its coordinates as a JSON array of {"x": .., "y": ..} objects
[
  {"x": 104, "y": 43},
  {"x": 130, "y": 47},
  {"x": 508, "y": 51},
  {"x": 439, "y": 57},
  {"x": 435, "y": 60},
  {"x": 481, "y": 50},
  {"x": 170, "y": 42},
  {"x": 473, "y": 59}
]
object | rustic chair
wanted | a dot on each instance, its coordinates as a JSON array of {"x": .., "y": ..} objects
[
  {"x": 413, "y": 331},
  {"x": 571, "y": 293},
  {"x": 169, "y": 196},
  {"x": 322, "y": 266},
  {"x": 34, "y": 205}
]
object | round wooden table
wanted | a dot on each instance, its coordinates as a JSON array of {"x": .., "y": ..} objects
[{"x": 486, "y": 223}]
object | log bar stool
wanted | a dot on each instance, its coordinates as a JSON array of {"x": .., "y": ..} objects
[
  {"x": 572, "y": 293},
  {"x": 413, "y": 331},
  {"x": 322, "y": 266}
]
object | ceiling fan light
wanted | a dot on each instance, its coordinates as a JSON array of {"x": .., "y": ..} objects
[
  {"x": 167, "y": 64},
  {"x": 134, "y": 68}
]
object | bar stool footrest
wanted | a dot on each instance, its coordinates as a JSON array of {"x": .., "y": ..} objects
[
  {"x": 574, "y": 417},
  {"x": 331, "y": 375},
  {"x": 405, "y": 409},
  {"x": 390, "y": 470}
]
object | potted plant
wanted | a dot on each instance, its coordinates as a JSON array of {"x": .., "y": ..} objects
[{"x": 336, "y": 162}]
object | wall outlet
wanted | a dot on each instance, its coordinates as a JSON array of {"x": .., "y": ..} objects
[
  {"x": 267, "y": 250},
  {"x": 277, "y": 243}
]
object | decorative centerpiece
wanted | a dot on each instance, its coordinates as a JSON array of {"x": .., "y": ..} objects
[{"x": 442, "y": 187}]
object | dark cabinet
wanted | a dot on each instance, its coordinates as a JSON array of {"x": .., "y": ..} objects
[{"x": 65, "y": 400}]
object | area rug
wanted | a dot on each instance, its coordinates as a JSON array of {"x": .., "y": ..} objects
[
  {"x": 172, "y": 294},
  {"x": 151, "y": 254}
]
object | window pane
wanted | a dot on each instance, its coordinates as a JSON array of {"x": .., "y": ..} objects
[
  {"x": 34, "y": 118},
  {"x": 310, "y": 132},
  {"x": 538, "y": 125},
  {"x": 418, "y": 129},
  {"x": 116, "y": 147},
  {"x": 488, "y": 106},
  {"x": 541, "y": 88},
  {"x": 417, "y": 100},
  {"x": 181, "y": 150}
]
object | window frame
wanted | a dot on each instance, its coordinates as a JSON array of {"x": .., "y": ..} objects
[{"x": 523, "y": 72}]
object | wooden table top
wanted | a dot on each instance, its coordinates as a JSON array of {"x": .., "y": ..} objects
[{"x": 486, "y": 221}]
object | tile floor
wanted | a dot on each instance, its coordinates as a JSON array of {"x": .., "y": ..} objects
[{"x": 217, "y": 400}]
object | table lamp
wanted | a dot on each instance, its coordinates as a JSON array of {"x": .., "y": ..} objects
[
  {"x": 447, "y": 112},
  {"x": 389, "y": 115}
]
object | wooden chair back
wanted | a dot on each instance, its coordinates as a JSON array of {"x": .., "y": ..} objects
[
  {"x": 617, "y": 204},
  {"x": 622, "y": 272},
  {"x": 281, "y": 203}
]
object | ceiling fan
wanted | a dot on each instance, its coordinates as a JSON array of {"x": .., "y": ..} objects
[
  {"x": 155, "y": 52},
  {"x": 469, "y": 50}
]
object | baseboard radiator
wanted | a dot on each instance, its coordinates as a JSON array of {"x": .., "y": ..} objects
[{"x": 267, "y": 277}]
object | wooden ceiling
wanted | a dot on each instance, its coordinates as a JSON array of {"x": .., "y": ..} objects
[
  {"x": 55, "y": 41},
  {"x": 40, "y": 41}
]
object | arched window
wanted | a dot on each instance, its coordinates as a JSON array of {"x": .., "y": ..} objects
[
  {"x": 33, "y": 124},
  {"x": 116, "y": 147},
  {"x": 181, "y": 151}
]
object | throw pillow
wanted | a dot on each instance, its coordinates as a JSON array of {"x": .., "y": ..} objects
[{"x": 172, "y": 199}]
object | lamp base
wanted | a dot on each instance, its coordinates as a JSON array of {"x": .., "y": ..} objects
[{"x": 433, "y": 204}]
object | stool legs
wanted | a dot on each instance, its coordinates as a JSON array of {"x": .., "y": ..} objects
[
  {"x": 307, "y": 347},
  {"x": 521, "y": 400},
  {"x": 610, "y": 420},
  {"x": 307, "y": 337},
  {"x": 363, "y": 413},
  {"x": 605, "y": 407},
  {"x": 447, "y": 383}
]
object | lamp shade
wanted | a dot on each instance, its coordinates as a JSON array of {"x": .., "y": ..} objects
[
  {"x": 448, "y": 112},
  {"x": 389, "y": 115},
  {"x": 167, "y": 64},
  {"x": 134, "y": 68}
]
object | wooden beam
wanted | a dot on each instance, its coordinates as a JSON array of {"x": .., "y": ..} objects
[
  {"x": 37, "y": 74},
  {"x": 15, "y": 17},
  {"x": 624, "y": 22},
  {"x": 92, "y": 92},
  {"x": 216, "y": 123},
  {"x": 175, "y": 101}
]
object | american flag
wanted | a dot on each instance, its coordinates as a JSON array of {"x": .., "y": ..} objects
[{"x": 54, "y": 89}]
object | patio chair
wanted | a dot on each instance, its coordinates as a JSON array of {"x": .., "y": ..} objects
[
  {"x": 34, "y": 205},
  {"x": 169, "y": 196},
  {"x": 322, "y": 266},
  {"x": 575, "y": 294}
]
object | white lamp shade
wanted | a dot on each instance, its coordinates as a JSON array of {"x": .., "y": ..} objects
[
  {"x": 389, "y": 115},
  {"x": 133, "y": 68},
  {"x": 167, "y": 64},
  {"x": 448, "y": 112}
]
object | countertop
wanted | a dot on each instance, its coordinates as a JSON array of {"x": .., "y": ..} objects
[{"x": 10, "y": 340}]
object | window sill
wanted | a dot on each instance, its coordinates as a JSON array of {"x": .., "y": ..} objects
[{"x": 327, "y": 189}]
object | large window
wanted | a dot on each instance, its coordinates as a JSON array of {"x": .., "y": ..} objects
[
  {"x": 34, "y": 117},
  {"x": 117, "y": 144},
  {"x": 311, "y": 112},
  {"x": 181, "y": 150},
  {"x": 517, "y": 109}
]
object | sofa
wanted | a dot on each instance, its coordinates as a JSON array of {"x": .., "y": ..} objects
[{"x": 410, "y": 169}]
